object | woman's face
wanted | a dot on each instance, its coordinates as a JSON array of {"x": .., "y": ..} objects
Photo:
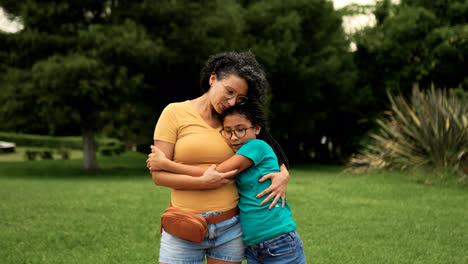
[
  {"x": 237, "y": 130},
  {"x": 225, "y": 92}
]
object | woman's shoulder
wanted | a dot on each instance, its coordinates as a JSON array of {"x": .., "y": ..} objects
[
  {"x": 177, "y": 107},
  {"x": 179, "y": 104}
]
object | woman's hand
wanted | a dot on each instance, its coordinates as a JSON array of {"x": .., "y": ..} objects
[
  {"x": 156, "y": 159},
  {"x": 213, "y": 179},
  {"x": 277, "y": 189}
]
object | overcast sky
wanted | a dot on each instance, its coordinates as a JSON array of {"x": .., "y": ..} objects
[
  {"x": 7, "y": 25},
  {"x": 341, "y": 3},
  {"x": 349, "y": 24}
]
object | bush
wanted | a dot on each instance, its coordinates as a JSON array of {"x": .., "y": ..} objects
[
  {"x": 64, "y": 154},
  {"x": 429, "y": 131},
  {"x": 110, "y": 146},
  {"x": 47, "y": 155},
  {"x": 106, "y": 152},
  {"x": 31, "y": 154},
  {"x": 28, "y": 140}
]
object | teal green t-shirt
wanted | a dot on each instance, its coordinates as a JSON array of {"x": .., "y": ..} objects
[{"x": 258, "y": 222}]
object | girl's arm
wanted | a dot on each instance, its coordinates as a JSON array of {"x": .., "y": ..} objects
[
  {"x": 277, "y": 189},
  {"x": 211, "y": 179},
  {"x": 158, "y": 161}
]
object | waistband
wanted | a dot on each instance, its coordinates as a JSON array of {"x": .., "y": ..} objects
[{"x": 262, "y": 244}]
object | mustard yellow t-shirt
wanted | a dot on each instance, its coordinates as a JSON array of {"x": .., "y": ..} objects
[{"x": 196, "y": 143}]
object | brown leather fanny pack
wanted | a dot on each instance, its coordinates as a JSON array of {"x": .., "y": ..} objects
[{"x": 190, "y": 226}]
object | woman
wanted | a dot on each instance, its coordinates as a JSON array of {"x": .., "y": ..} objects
[
  {"x": 270, "y": 234},
  {"x": 188, "y": 132}
]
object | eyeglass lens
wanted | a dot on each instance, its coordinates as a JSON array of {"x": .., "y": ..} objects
[
  {"x": 238, "y": 132},
  {"x": 229, "y": 94}
]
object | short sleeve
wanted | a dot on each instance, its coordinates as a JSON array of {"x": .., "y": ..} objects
[
  {"x": 166, "y": 128},
  {"x": 254, "y": 150}
]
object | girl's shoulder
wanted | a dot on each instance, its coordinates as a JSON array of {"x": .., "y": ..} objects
[
  {"x": 258, "y": 151},
  {"x": 256, "y": 144}
]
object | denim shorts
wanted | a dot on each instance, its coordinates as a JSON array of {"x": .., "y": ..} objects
[
  {"x": 223, "y": 241},
  {"x": 286, "y": 248}
]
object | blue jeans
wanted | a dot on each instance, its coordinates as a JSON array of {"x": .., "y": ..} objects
[
  {"x": 223, "y": 241},
  {"x": 284, "y": 249}
]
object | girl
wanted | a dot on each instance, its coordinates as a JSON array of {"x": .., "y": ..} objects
[{"x": 270, "y": 235}]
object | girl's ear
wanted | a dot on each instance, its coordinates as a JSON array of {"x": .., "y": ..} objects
[{"x": 257, "y": 128}]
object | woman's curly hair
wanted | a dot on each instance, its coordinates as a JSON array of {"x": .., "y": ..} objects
[{"x": 244, "y": 65}]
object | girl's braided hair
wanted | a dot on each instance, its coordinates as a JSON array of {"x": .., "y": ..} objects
[{"x": 244, "y": 65}]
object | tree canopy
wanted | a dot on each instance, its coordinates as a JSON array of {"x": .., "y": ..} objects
[
  {"x": 417, "y": 41},
  {"x": 86, "y": 67}
]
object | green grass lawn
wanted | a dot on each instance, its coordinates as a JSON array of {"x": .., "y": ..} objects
[{"x": 52, "y": 212}]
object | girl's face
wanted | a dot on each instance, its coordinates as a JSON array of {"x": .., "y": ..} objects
[
  {"x": 225, "y": 92},
  {"x": 238, "y": 130}
]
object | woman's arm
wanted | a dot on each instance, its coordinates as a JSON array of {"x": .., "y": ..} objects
[
  {"x": 211, "y": 179},
  {"x": 158, "y": 161},
  {"x": 277, "y": 189}
]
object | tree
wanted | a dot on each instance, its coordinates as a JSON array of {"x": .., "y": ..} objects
[
  {"x": 306, "y": 54},
  {"x": 76, "y": 60},
  {"x": 417, "y": 41},
  {"x": 152, "y": 51}
]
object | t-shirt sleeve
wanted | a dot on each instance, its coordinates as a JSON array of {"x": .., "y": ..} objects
[
  {"x": 166, "y": 128},
  {"x": 254, "y": 150}
]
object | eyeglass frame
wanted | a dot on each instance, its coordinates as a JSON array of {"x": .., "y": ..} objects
[
  {"x": 243, "y": 99},
  {"x": 233, "y": 131}
]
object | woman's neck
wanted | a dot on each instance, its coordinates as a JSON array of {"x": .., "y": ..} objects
[{"x": 204, "y": 108}]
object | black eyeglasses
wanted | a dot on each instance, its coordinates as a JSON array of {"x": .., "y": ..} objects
[
  {"x": 239, "y": 132},
  {"x": 229, "y": 94}
]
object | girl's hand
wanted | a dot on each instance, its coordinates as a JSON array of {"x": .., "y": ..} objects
[
  {"x": 156, "y": 159},
  {"x": 213, "y": 179},
  {"x": 277, "y": 189}
]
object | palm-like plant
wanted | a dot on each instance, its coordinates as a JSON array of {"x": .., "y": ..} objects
[{"x": 430, "y": 130}]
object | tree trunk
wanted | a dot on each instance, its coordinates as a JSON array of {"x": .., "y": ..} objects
[{"x": 89, "y": 151}]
